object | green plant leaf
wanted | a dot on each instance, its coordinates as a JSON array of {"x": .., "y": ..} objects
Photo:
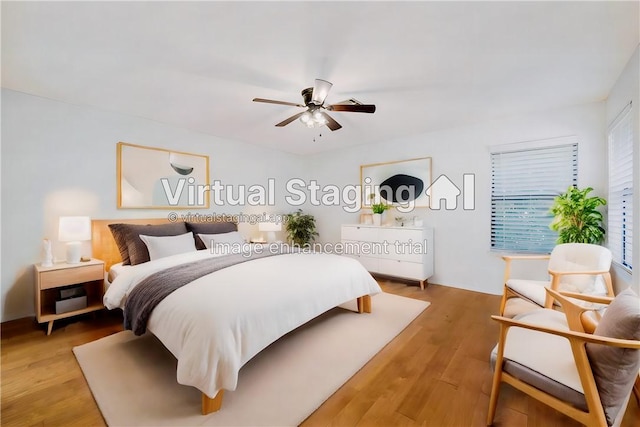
[{"x": 576, "y": 218}]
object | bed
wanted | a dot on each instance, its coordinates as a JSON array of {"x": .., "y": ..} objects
[{"x": 216, "y": 323}]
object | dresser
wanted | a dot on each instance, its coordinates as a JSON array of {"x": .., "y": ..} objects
[{"x": 405, "y": 252}]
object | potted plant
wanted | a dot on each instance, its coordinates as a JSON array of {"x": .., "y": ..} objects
[
  {"x": 576, "y": 217},
  {"x": 378, "y": 209},
  {"x": 301, "y": 228}
]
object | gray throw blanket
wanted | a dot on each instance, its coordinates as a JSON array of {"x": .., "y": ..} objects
[{"x": 150, "y": 291}]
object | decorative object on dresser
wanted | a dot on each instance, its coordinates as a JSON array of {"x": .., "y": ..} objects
[
  {"x": 74, "y": 230},
  {"x": 399, "y": 183},
  {"x": 378, "y": 208},
  {"x": 156, "y": 178},
  {"x": 55, "y": 298},
  {"x": 405, "y": 252}
]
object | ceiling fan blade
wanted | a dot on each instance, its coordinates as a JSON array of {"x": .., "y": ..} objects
[
  {"x": 331, "y": 124},
  {"x": 271, "y": 101},
  {"x": 358, "y": 108},
  {"x": 290, "y": 119},
  {"x": 320, "y": 91}
]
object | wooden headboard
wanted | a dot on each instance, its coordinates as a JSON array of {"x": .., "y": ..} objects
[{"x": 104, "y": 247}]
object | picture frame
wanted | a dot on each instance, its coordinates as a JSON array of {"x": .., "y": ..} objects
[
  {"x": 158, "y": 178},
  {"x": 414, "y": 173}
]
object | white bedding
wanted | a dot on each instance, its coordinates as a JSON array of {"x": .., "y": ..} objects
[
  {"x": 217, "y": 323},
  {"x": 116, "y": 269}
]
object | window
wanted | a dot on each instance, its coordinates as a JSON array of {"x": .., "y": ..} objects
[
  {"x": 524, "y": 183},
  {"x": 620, "y": 213}
]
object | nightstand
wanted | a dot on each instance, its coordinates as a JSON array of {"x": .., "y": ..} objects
[{"x": 50, "y": 280}]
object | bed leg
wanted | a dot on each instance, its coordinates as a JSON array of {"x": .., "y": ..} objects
[
  {"x": 364, "y": 304},
  {"x": 210, "y": 405}
]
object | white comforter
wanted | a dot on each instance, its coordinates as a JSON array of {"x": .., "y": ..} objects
[{"x": 217, "y": 323}]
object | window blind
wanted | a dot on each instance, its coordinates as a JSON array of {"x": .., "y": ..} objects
[
  {"x": 523, "y": 186},
  {"x": 620, "y": 212}
]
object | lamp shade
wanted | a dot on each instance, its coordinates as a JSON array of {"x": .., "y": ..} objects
[{"x": 74, "y": 228}]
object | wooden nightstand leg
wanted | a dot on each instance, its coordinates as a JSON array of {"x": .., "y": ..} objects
[
  {"x": 49, "y": 327},
  {"x": 422, "y": 284}
]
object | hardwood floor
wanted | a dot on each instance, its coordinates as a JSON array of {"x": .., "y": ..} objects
[{"x": 435, "y": 373}]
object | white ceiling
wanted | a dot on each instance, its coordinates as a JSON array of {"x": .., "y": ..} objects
[{"x": 425, "y": 65}]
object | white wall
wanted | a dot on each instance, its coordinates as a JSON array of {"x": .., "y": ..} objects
[
  {"x": 625, "y": 90},
  {"x": 462, "y": 255},
  {"x": 59, "y": 159}
]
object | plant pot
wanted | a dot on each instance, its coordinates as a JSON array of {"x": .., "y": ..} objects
[{"x": 377, "y": 219}]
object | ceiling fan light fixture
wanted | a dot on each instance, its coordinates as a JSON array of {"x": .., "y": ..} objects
[
  {"x": 305, "y": 117},
  {"x": 316, "y": 110},
  {"x": 320, "y": 91}
]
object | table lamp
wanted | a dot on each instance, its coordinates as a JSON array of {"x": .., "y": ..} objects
[
  {"x": 270, "y": 228},
  {"x": 73, "y": 230}
]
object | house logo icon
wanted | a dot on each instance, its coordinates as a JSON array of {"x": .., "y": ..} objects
[{"x": 444, "y": 189}]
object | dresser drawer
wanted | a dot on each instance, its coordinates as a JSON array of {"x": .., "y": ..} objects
[
  {"x": 400, "y": 235},
  {"x": 354, "y": 232},
  {"x": 369, "y": 263},
  {"x": 70, "y": 276},
  {"x": 408, "y": 270}
]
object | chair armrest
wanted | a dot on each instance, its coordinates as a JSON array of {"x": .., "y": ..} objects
[
  {"x": 570, "y": 335},
  {"x": 598, "y": 299},
  {"x": 574, "y": 312},
  {"x": 509, "y": 258}
]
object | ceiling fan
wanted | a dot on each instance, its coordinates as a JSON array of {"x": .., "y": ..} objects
[{"x": 315, "y": 114}]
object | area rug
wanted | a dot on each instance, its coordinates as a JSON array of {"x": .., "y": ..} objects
[{"x": 133, "y": 379}]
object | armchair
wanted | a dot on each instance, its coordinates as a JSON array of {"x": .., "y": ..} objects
[
  {"x": 580, "y": 268},
  {"x": 550, "y": 356}
]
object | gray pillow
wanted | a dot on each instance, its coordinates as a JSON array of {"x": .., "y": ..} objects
[
  {"x": 210, "y": 228},
  {"x": 132, "y": 249},
  {"x": 615, "y": 369}
]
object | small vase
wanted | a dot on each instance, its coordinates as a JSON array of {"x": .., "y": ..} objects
[{"x": 377, "y": 219}]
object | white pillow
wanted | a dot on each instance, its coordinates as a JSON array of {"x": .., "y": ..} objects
[
  {"x": 160, "y": 247},
  {"x": 231, "y": 238}
]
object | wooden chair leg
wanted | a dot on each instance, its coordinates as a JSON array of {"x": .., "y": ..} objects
[
  {"x": 495, "y": 393},
  {"x": 497, "y": 377},
  {"x": 636, "y": 389}
]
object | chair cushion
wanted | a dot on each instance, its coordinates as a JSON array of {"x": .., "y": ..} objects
[
  {"x": 541, "y": 382},
  {"x": 615, "y": 369},
  {"x": 530, "y": 348},
  {"x": 516, "y": 306},
  {"x": 532, "y": 290}
]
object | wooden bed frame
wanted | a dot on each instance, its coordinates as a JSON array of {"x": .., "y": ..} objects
[{"x": 103, "y": 247}]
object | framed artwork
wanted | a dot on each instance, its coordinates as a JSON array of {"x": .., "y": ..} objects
[
  {"x": 396, "y": 183},
  {"x": 155, "y": 178}
]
